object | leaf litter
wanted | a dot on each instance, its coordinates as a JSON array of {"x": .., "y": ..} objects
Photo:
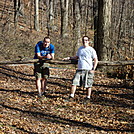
[{"x": 23, "y": 112}]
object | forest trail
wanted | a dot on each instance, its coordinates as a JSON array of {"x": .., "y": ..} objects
[{"x": 23, "y": 112}]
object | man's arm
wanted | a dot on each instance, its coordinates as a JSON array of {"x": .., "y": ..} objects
[
  {"x": 48, "y": 56},
  {"x": 40, "y": 57},
  {"x": 52, "y": 56},
  {"x": 71, "y": 58},
  {"x": 94, "y": 64}
]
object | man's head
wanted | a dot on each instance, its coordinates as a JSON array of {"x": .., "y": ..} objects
[
  {"x": 46, "y": 42},
  {"x": 85, "y": 41}
]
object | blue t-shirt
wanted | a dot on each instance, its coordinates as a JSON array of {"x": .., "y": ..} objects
[{"x": 43, "y": 50}]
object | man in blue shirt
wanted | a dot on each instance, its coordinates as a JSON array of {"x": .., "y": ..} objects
[{"x": 43, "y": 50}]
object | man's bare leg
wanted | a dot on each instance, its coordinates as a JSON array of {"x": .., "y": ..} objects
[
  {"x": 89, "y": 92},
  {"x": 44, "y": 84},
  {"x": 73, "y": 89},
  {"x": 38, "y": 86}
]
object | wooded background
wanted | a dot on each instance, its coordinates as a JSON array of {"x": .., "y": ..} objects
[{"x": 109, "y": 23}]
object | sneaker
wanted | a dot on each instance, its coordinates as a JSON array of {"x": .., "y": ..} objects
[
  {"x": 87, "y": 100},
  {"x": 43, "y": 93},
  {"x": 40, "y": 94},
  {"x": 69, "y": 99}
]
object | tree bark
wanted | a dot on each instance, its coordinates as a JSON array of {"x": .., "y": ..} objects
[
  {"x": 95, "y": 19},
  {"x": 51, "y": 12},
  {"x": 76, "y": 24},
  {"x": 16, "y": 10},
  {"x": 36, "y": 16},
  {"x": 103, "y": 29},
  {"x": 50, "y": 16},
  {"x": 64, "y": 17}
]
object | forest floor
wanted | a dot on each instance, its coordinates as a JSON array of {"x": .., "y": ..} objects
[{"x": 23, "y": 112}]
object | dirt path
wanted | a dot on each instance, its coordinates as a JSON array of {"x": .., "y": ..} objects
[{"x": 22, "y": 112}]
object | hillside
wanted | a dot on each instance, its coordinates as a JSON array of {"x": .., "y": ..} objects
[
  {"x": 19, "y": 42},
  {"x": 23, "y": 112}
]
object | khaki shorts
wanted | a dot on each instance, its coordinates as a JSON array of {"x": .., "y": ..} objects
[
  {"x": 83, "y": 78},
  {"x": 41, "y": 70}
]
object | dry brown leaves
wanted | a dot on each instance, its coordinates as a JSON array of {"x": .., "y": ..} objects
[{"x": 23, "y": 112}]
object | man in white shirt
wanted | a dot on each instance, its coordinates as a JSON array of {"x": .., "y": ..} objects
[{"x": 87, "y": 63}]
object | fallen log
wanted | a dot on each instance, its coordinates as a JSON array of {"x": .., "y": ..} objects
[
  {"x": 116, "y": 63},
  {"x": 61, "y": 62}
]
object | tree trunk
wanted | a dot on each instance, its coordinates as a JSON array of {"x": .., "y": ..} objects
[
  {"x": 4, "y": 7},
  {"x": 95, "y": 16},
  {"x": 103, "y": 29},
  {"x": 50, "y": 16},
  {"x": 51, "y": 12},
  {"x": 36, "y": 16},
  {"x": 120, "y": 27},
  {"x": 77, "y": 25},
  {"x": 31, "y": 5},
  {"x": 64, "y": 17},
  {"x": 16, "y": 10}
]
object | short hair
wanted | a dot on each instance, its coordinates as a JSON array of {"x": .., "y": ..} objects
[
  {"x": 46, "y": 38},
  {"x": 84, "y": 37}
]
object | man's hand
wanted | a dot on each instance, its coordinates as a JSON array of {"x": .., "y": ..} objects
[
  {"x": 92, "y": 71},
  {"x": 48, "y": 56},
  {"x": 67, "y": 58},
  {"x": 71, "y": 58}
]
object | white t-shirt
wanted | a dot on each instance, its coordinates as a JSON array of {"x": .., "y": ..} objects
[{"x": 86, "y": 56}]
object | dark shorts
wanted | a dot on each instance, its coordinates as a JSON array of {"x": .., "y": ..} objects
[
  {"x": 83, "y": 78},
  {"x": 41, "y": 70}
]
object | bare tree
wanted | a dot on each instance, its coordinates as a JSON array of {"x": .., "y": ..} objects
[
  {"x": 120, "y": 25},
  {"x": 64, "y": 17},
  {"x": 36, "y": 15},
  {"x": 50, "y": 15},
  {"x": 95, "y": 19},
  {"x": 16, "y": 11},
  {"x": 2, "y": 13},
  {"x": 86, "y": 16},
  {"x": 103, "y": 29},
  {"x": 77, "y": 24},
  {"x": 51, "y": 11},
  {"x": 31, "y": 5},
  {"x": 122, "y": 29}
]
